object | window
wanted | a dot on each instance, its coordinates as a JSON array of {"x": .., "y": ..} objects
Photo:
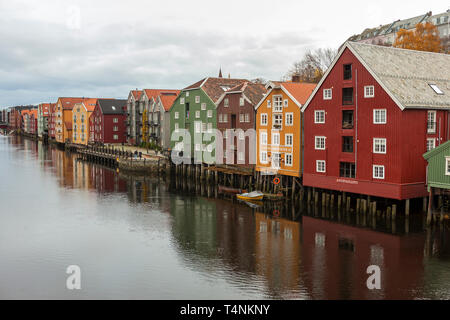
[
  {"x": 327, "y": 94},
  {"x": 241, "y": 156},
  {"x": 285, "y": 103},
  {"x": 379, "y": 145},
  {"x": 320, "y": 143},
  {"x": 187, "y": 93},
  {"x": 209, "y": 113},
  {"x": 203, "y": 126},
  {"x": 275, "y": 139},
  {"x": 210, "y": 126},
  {"x": 277, "y": 104},
  {"x": 182, "y": 99},
  {"x": 276, "y": 160},
  {"x": 379, "y": 116},
  {"x": 268, "y": 103},
  {"x": 115, "y": 128},
  {"x": 378, "y": 172},
  {"x": 288, "y": 161},
  {"x": 320, "y": 166},
  {"x": 447, "y": 166},
  {"x": 264, "y": 119},
  {"x": 347, "y": 170},
  {"x": 347, "y": 71},
  {"x": 241, "y": 117},
  {"x": 220, "y": 118},
  {"x": 319, "y": 116},
  {"x": 289, "y": 138},
  {"x": 431, "y": 122},
  {"x": 277, "y": 121},
  {"x": 289, "y": 118},
  {"x": 203, "y": 106},
  {"x": 347, "y": 144},
  {"x": 241, "y": 102},
  {"x": 263, "y": 138},
  {"x": 247, "y": 117},
  {"x": 263, "y": 157},
  {"x": 347, "y": 96},
  {"x": 198, "y": 126},
  {"x": 197, "y": 99},
  {"x": 436, "y": 88},
  {"x": 225, "y": 118},
  {"x": 431, "y": 144},
  {"x": 369, "y": 92},
  {"x": 347, "y": 119},
  {"x": 115, "y": 137},
  {"x": 177, "y": 126},
  {"x": 225, "y": 103},
  {"x": 197, "y": 114}
]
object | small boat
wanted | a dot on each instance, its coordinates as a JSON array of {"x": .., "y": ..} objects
[
  {"x": 229, "y": 190},
  {"x": 253, "y": 203},
  {"x": 254, "y": 195}
]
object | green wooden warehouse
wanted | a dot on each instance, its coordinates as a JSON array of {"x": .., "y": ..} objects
[{"x": 438, "y": 176}]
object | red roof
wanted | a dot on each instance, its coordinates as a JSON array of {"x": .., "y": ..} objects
[
  {"x": 136, "y": 94},
  {"x": 68, "y": 103},
  {"x": 299, "y": 90},
  {"x": 167, "y": 100}
]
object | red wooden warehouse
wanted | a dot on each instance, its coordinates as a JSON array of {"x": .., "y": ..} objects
[
  {"x": 372, "y": 116},
  {"x": 107, "y": 122}
]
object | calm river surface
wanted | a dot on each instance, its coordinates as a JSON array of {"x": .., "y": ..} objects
[{"x": 138, "y": 238}]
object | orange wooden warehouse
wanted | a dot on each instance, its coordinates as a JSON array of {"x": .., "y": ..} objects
[{"x": 279, "y": 128}]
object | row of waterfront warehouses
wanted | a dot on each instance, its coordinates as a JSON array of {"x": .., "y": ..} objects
[{"x": 364, "y": 128}]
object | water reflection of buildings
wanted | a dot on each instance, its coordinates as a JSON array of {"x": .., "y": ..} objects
[{"x": 336, "y": 256}]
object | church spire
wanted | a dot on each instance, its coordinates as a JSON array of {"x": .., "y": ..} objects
[{"x": 220, "y": 72}]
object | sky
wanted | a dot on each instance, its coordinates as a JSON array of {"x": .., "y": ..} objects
[{"x": 103, "y": 48}]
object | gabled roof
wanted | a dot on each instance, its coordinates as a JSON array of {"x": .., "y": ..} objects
[
  {"x": 136, "y": 94},
  {"x": 405, "y": 75},
  {"x": 299, "y": 92},
  {"x": 437, "y": 150},
  {"x": 167, "y": 99},
  {"x": 215, "y": 87},
  {"x": 253, "y": 92},
  {"x": 89, "y": 104},
  {"x": 112, "y": 106},
  {"x": 154, "y": 93},
  {"x": 68, "y": 103}
]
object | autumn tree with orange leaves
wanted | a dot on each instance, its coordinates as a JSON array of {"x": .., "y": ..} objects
[{"x": 425, "y": 37}]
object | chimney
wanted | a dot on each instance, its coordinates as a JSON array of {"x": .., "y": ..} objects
[{"x": 295, "y": 78}]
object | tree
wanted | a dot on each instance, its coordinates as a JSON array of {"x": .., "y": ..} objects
[
  {"x": 425, "y": 37},
  {"x": 312, "y": 66}
]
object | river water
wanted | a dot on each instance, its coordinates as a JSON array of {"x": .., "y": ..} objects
[{"x": 151, "y": 238}]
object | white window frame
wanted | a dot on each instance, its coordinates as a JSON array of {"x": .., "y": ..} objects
[
  {"x": 247, "y": 117},
  {"x": 241, "y": 102},
  {"x": 176, "y": 127},
  {"x": 379, "y": 142},
  {"x": 327, "y": 94},
  {"x": 197, "y": 126},
  {"x": 187, "y": 93},
  {"x": 447, "y": 162},
  {"x": 241, "y": 117},
  {"x": 277, "y": 103},
  {"x": 209, "y": 113},
  {"x": 280, "y": 121},
  {"x": 374, "y": 169},
  {"x": 197, "y": 114},
  {"x": 286, "y": 136},
  {"x": 264, "y": 116},
  {"x": 262, "y": 140},
  {"x": 380, "y": 121},
  {"x": 268, "y": 104},
  {"x": 318, "y": 138},
  {"x": 285, "y": 103},
  {"x": 369, "y": 91},
  {"x": 226, "y": 103},
  {"x": 276, "y": 164},
  {"x": 197, "y": 99},
  {"x": 318, "y": 168},
  {"x": 177, "y": 115},
  {"x": 434, "y": 143},
  {"x": 225, "y": 118},
  {"x": 182, "y": 99},
  {"x": 318, "y": 112},
  {"x": 433, "y": 129},
  {"x": 203, "y": 106},
  {"x": 116, "y": 137},
  {"x": 286, "y": 163},
  {"x": 291, "y": 116},
  {"x": 275, "y": 134},
  {"x": 261, "y": 157}
]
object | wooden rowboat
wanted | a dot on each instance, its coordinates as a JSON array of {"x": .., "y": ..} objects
[
  {"x": 229, "y": 190},
  {"x": 254, "y": 195}
]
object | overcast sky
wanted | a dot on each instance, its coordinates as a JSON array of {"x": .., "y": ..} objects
[{"x": 105, "y": 48}]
